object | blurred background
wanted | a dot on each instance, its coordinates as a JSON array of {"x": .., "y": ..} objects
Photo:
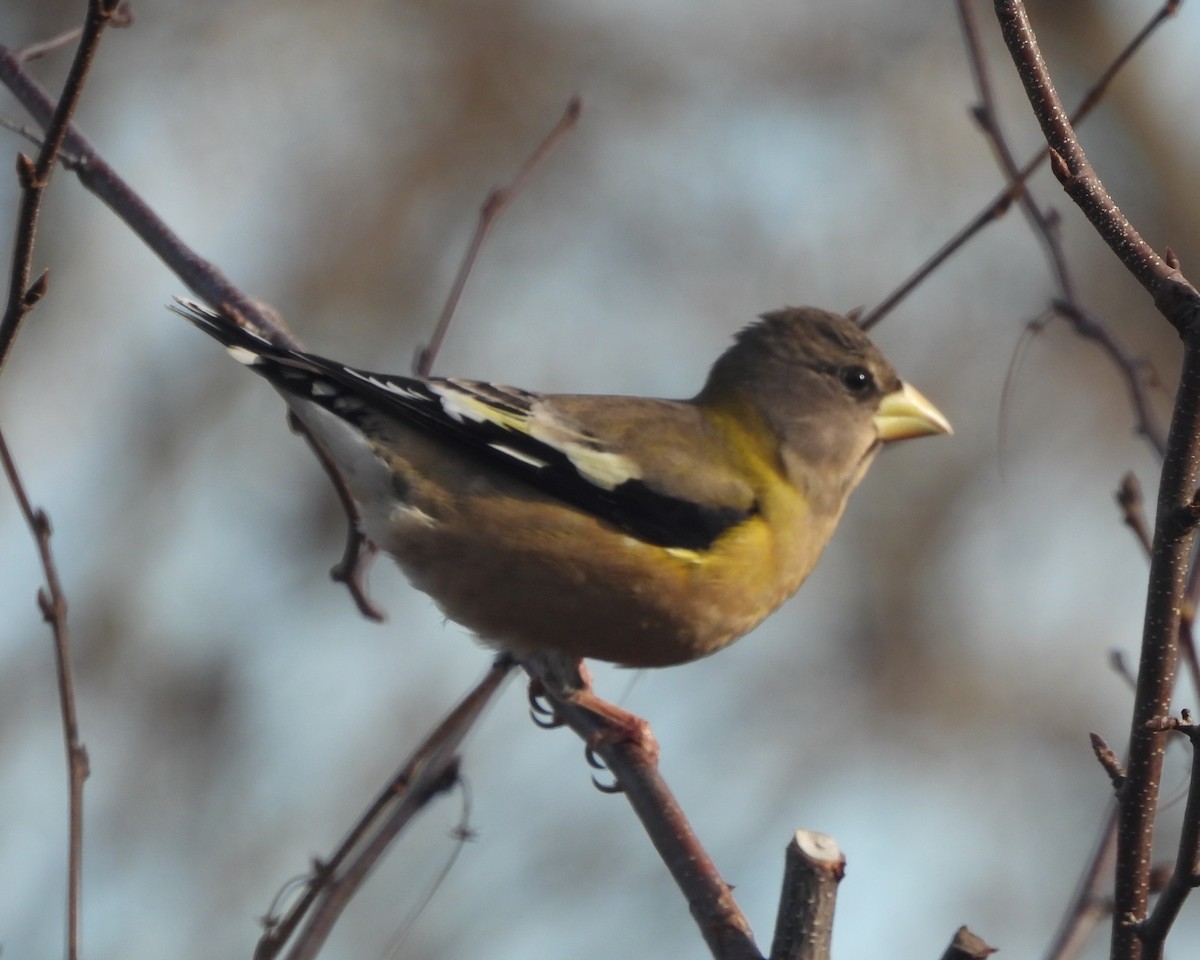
[{"x": 925, "y": 699}]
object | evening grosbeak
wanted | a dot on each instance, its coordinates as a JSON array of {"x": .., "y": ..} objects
[{"x": 641, "y": 531}]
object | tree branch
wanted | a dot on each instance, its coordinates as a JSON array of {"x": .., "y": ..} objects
[
  {"x": 35, "y": 177},
  {"x": 431, "y": 769},
  {"x": 813, "y": 869},
  {"x": 967, "y": 946},
  {"x": 496, "y": 202},
  {"x": 1186, "y": 874},
  {"x": 1175, "y": 521},
  {"x": 1089, "y": 905},
  {"x": 200, "y": 276},
  {"x": 1135, "y": 372},
  {"x": 1172, "y": 293},
  {"x": 1003, "y": 200},
  {"x": 722, "y": 924},
  {"x": 52, "y": 602}
]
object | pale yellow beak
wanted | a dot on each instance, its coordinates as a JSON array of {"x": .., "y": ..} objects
[{"x": 905, "y": 413}]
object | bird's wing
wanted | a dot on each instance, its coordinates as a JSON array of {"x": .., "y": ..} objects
[{"x": 514, "y": 430}]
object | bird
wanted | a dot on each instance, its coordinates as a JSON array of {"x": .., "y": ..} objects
[{"x": 641, "y": 531}]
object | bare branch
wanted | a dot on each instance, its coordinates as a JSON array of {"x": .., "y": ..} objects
[
  {"x": 1003, "y": 200},
  {"x": 200, "y": 276},
  {"x": 1089, "y": 905},
  {"x": 1137, "y": 373},
  {"x": 359, "y": 552},
  {"x": 1175, "y": 521},
  {"x": 1173, "y": 294},
  {"x": 431, "y": 769},
  {"x": 967, "y": 946},
  {"x": 495, "y": 204},
  {"x": 1186, "y": 874},
  {"x": 813, "y": 869},
  {"x": 633, "y": 763},
  {"x": 1134, "y": 372},
  {"x": 121, "y": 17},
  {"x": 23, "y": 293},
  {"x": 1173, "y": 537},
  {"x": 52, "y": 602},
  {"x": 1108, "y": 760},
  {"x": 1129, "y": 498},
  {"x": 34, "y": 177}
]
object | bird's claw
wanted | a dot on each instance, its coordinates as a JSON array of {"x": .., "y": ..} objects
[
  {"x": 594, "y": 761},
  {"x": 541, "y": 711}
]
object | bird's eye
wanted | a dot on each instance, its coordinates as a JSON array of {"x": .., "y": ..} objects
[{"x": 856, "y": 379}]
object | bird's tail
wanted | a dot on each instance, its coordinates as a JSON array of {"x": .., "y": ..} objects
[
  {"x": 244, "y": 345},
  {"x": 342, "y": 390}
]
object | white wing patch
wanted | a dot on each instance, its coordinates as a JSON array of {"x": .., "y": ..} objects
[
  {"x": 599, "y": 466},
  {"x": 460, "y": 402},
  {"x": 390, "y": 386},
  {"x": 243, "y": 355},
  {"x": 528, "y": 458},
  {"x": 519, "y": 411},
  {"x": 605, "y": 469}
]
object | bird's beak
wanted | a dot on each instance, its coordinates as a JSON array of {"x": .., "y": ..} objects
[{"x": 905, "y": 413}]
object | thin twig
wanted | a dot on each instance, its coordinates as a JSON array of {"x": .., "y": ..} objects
[
  {"x": 52, "y": 602},
  {"x": 121, "y": 17},
  {"x": 1134, "y": 372},
  {"x": 1100, "y": 87},
  {"x": 23, "y": 294},
  {"x": 34, "y": 138},
  {"x": 358, "y": 552},
  {"x": 429, "y": 770},
  {"x": 988, "y": 118},
  {"x": 200, "y": 276},
  {"x": 35, "y": 177},
  {"x": 1089, "y": 905},
  {"x": 35, "y": 51},
  {"x": 1177, "y": 298},
  {"x": 499, "y": 199},
  {"x": 336, "y": 892},
  {"x": 462, "y": 833},
  {"x": 1107, "y": 758},
  {"x": 1129, "y": 498},
  {"x": 1003, "y": 200}
]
